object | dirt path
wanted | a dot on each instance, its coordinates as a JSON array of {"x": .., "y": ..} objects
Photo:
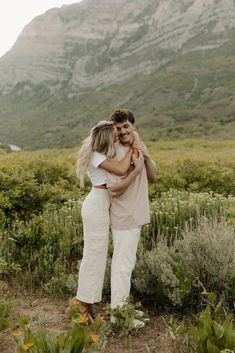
[{"x": 153, "y": 338}]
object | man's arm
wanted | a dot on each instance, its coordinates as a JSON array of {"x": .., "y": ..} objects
[
  {"x": 151, "y": 169},
  {"x": 149, "y": 163}
]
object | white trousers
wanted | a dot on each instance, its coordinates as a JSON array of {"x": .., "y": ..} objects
[
  {"x": 95, "y": 216},
  {"x": 123, "y": 262}
]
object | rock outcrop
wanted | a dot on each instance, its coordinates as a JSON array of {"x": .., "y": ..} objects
[{"x": 96, "y": 43}]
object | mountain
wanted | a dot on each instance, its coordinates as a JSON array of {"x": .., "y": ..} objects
[{"x": 170, "y": 61}]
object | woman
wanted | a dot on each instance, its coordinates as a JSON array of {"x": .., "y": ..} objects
[{"x": 96, "y": 159}]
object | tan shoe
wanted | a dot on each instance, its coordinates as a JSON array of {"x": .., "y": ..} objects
[{"x": 85, "y": 309}]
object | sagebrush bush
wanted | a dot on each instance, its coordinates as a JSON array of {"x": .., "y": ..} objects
[
  {"x": 207, "y": 253},
  {"x": 155, "y": 275},
  {"x": 204, "y": 256}
]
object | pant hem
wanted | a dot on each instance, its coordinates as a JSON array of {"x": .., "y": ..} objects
[{"x": 87, "y": 300}]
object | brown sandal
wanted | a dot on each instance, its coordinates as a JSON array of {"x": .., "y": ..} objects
[{"x": 85, "y": 309}]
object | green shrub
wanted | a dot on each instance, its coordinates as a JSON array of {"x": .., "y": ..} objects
[
  {"x": 213, "y": 331},
  {"x": 80, "y": 338},
  {"x": 124, "y": 318},
  {"x": 195, "y": 174},
  {"x": 61, "y": 283},
  {"x": 171, "y": 212},
  {"x": 204, "y": 175},
  {"x": 5, "y": 312},
  {"x": 46, "y": 247},
  {"x": 2, "y": 220},
  {"x": 29, "y": 181}
]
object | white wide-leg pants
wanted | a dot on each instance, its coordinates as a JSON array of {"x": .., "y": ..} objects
[
  {"x": 123, "y": 262},
  {"x": 95, "y": 216}
]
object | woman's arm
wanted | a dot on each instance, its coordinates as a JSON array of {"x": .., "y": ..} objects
[
  {"x": 119, "y": 188},
  {"x": 118, "y": 167}
]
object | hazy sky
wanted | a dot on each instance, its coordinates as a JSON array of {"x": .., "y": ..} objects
[{"x": 15, "y": 14}]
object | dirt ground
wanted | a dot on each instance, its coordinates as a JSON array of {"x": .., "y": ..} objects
[{"x": 153, "y": 338}]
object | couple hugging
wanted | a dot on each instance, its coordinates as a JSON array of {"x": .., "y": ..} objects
[{"x": 119, "y": 167}]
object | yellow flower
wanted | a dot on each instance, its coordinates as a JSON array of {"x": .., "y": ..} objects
[
  {"x": 27, "y": 346},
  {"x": 102, "y": 319},
  {"x": 204, "y": 292},
  {"x": 17, "y": 333},
  {"x": 74, "y": 301},
  {"x": 95, "y": 338},
  {"x": 84, "y": 319}
]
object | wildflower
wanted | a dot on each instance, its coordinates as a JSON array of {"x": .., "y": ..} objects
[
  {"x": 74, "y": 301},
  {"x": 102, "y": 319},
  {"x": 95, "y": 338},
  {"x": 84, "y": 319},
  {"x": 204, "y": 292},
  {"x": 27, "y": 346},
  {"x": 17, "y": 333}
]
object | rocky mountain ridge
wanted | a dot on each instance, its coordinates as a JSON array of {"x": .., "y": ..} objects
[
  {"x": 170, "y": 61},
  {"x": 96, "y": 43}
]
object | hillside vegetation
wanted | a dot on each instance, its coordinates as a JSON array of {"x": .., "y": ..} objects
[
  {"x": 30, "y": 180},
  {"x": 190, "y": 97},
  {"x": 185, "y": 259},
  {"x": 41, "y": 228}
]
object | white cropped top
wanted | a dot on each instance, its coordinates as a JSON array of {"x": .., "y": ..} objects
[{"x": 98, "y": 176}]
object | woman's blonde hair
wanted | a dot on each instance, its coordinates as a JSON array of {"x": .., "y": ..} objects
[{"x": 101, "y": 139}]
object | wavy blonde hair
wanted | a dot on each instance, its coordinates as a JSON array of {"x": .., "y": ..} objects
[{"x": 101, "y": 139}]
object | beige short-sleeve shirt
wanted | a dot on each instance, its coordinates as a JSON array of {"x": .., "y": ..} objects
[{"x": 130, "y": 209}]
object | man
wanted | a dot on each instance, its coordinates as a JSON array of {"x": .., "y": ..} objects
[{"x": 129, "y": 210}]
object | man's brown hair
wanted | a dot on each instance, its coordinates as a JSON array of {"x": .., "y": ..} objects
[{"x": 121, "y": 115}]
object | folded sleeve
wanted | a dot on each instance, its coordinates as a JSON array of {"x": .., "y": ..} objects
[{"x": 97, "y": 159}]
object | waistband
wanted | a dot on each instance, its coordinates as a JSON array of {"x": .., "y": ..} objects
[{"x": 104, "y": 192}]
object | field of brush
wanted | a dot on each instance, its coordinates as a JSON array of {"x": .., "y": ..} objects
[{"x": 185, "y": 262}]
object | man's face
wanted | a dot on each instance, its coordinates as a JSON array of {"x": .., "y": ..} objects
[{"x": 125, "y": 132}]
